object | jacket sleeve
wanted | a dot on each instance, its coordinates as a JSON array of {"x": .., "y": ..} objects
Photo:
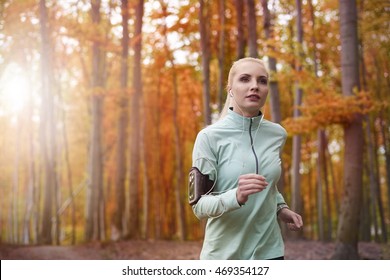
[
  {"x": 280, "y": 199},
  {"x": 204, "y": 157},
  {"x": 279, "y": 196}
]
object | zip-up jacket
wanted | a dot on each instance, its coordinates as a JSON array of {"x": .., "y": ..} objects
[{"x": 233, "y": 146}]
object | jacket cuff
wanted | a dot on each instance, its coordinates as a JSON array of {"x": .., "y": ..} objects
[{"x": 229, "y": 200}]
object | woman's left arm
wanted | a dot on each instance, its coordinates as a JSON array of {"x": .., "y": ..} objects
[{"x": 293, "y": 220}]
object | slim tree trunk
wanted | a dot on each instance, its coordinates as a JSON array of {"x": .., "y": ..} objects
[
  {"x": 156, "y": 198},
  {"x": 320, "y": 163},
  {"x": 252, "y": 27},
  {"x": 95, "y": 186},
  {"x": 180, "y": 218},
  {"x": 48, "y": 147},
  {"x": 146, "y": 181},
  {"x": 69, "y": 176},
  {"x": 119, "y": 222},
  {"x": 296, "y": 180},
  {"x": 348, "y": 227},
  {"x": 239, "y": 7},
  {"x": 205, "y": 50},
  {"x": 221, "y": 53},
  {"x": 133, "y": 226},
  {"x": 15, "y": 187},
  {"x": 372, "y": 176},
  {"x": 30, "y": 219}
]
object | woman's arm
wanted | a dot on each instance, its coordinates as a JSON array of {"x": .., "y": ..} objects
[
  {"x": 213, "y": 206},
  {"x": 204, "y": 157}
]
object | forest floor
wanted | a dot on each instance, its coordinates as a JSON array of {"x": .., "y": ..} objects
[{"x": 172, "y": 250}]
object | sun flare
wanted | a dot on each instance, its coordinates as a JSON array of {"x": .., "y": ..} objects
[{"x": 14, "y": 91}]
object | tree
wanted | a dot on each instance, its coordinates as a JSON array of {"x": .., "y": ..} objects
[
  {"x": 135, "y": 123},
  {"x": 252, "y": 27},
  {"x": 205, "y": 58},
  {"x": 119, "y": 221},
  {"x": 240, "y": 34},
  {"x": 296, "y": 180},
  {"x": 94, "y": 219},
  {"x": 48, "y": 146},
  {"x": 348, "y": 227},
  {"x": 221, "y": 52}
]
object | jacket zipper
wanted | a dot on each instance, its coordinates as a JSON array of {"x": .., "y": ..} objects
[{"x": 253, "y": 148}]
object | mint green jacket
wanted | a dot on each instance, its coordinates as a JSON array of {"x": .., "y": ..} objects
[{"x": 233, "y": 146}]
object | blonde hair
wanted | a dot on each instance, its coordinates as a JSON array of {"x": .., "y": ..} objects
[{"x": 232, "y": 73}]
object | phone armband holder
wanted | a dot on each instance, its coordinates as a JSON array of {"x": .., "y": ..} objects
[{"x": 198, "y": 185}]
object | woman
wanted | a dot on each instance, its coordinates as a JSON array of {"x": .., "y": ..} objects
[{"x": 240, "y": 154}]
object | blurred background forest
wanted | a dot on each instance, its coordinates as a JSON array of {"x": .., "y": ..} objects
[{"x": 101, "y": 101}]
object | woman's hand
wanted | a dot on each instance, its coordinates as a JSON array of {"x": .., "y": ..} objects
[
  {"x": 293, "y": 220},
  {"x": 249, "y": 184}
]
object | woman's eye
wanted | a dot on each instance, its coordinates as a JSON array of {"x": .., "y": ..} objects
[
  {"x": 244, "y": 79},
  {"x": 263, "y": 81}
]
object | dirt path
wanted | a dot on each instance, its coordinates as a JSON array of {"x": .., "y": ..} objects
[{"x": 171, "y": 250}]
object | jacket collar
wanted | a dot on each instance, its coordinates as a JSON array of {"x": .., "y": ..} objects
[{"x": 239, "y": 121}]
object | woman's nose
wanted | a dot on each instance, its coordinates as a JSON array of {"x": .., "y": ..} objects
[{"x": 254, "y": 86}]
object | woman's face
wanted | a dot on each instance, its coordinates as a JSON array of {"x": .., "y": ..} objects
[{"x": 249, "y": 88}]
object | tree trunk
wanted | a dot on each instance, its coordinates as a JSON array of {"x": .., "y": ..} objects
[
  {"x": 145, "y": 181},
  {"x": 48, "y": 147},
  {"x": 69, "y": 176},
  {"x": 156, "y": 132},
  {"x": 180, "y": 218},
  {"x": 204, "y": 19},
  {"x": 296, "y": 180},
  {"x": 221, "y": 53},
  {"x": 95, "y": 186},
  {"x": 119, "y": 222},
  {"x": 348, "y": 227},
  {"x": 252, "y": 27},
  {"x": 30, "y": 219},
  {"x": 240, "y": 28},
  {"x": 15, "y": 187},
  {"x": 135, "y": 156},
  {"x": 371, "y": 173}
]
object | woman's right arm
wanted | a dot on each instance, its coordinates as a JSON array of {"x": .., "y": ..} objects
[
  {"x": 204, "y": 157},
  {"x": 213, "y": 206}
]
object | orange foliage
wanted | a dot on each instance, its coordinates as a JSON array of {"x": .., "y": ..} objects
[{"x": 323, "y": 109}]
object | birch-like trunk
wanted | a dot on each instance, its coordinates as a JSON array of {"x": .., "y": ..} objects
[
  {"x": 135, "y": 156},
  {"x": 348, "y": 227}
]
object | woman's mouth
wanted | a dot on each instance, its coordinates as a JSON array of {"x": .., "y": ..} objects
[{"x": 253, "y": 97}]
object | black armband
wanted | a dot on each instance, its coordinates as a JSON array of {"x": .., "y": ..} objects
[{"x": 198, "y": 185}]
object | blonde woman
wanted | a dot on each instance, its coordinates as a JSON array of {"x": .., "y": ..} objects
[{"x": 239, "y": 157}]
